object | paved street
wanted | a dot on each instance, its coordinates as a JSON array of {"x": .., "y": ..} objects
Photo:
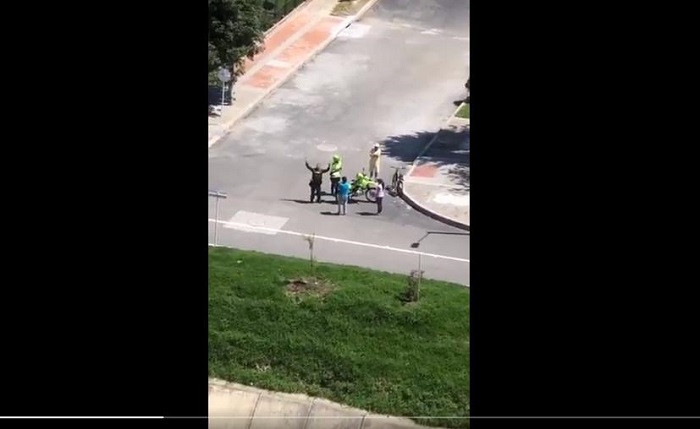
[{"x": 391, "y": 78}]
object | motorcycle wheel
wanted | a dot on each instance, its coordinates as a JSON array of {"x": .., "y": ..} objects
[{"x": 371, "y": 195}]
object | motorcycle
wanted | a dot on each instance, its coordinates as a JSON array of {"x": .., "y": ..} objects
[{"x": 363, "y": 185}]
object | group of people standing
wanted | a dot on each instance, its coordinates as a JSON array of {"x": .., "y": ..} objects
[{"x": 340, "y": 187}]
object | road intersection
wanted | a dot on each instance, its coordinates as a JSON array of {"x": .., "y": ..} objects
[{"x": 390, "y": 78}]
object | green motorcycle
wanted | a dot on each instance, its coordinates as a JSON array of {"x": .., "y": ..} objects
[{"x": 363, "y": 185}]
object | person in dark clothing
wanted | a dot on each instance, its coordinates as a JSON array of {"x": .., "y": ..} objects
[
  {"x": 466, "y": 85},
  {"x": 316, "y": 180}
]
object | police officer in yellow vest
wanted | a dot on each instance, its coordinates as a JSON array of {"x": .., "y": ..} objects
[{"x": 336, "y": 172}]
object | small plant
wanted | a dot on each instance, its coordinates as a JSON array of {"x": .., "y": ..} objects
[
  {"x": 412, "y": 292},
  {"x": 310, "y": 239}
]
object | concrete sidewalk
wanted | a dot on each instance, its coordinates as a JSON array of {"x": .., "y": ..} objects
[
  {"x": 235, "y": 406},
  {"x": 288, "y": 46},
  {"x": 438, "y": 182}
]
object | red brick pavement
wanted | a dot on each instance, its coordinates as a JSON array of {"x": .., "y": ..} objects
[
  {"x": 428, "y": 169},
  {"x": 293, "y": 55},
  {"x": 280, "y": 35}
]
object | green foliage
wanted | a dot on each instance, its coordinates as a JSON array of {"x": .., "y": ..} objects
[
  {"x": 463, "y": 111},
  {"x": 235, "y": 31},
  {"x": 412, "y": 292}
]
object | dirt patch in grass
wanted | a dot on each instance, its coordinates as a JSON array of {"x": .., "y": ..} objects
[{"x": 302, "y": 287}]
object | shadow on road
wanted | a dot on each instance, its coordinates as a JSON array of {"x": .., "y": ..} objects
[
  {"x": 296, "y": 201},
  {"x": 308, "y": 202},
  {"x": 460, "y": 174},
  {"x": 367, "y": 213},
  {"x": 449, "y": 148},
  {"x": 405, "y": 148}
]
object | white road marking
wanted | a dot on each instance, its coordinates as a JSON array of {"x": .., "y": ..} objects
[
  {"x": 271, "y": 231},
  {"x": 327, "y": 148},
  {"x": 354, "y": 31},
  {"x": 341, "y": 27},
  {"x": 255, "y": 222}
]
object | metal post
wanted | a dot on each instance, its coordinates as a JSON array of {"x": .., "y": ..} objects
[
  {"x": 218, "y": 196},
  {"x": 223, "y": 95},
  {"x": 224, "y": 76},
  {"x": 231, "y": 82},
  {"x": 420, "y": 276},
  {"x": 216, "y": 224}
]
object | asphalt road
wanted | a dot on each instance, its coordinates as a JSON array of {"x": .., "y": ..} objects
[{"x": 392, "y": 78}]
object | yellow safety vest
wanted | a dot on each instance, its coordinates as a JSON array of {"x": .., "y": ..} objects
[{"x": 336, "y": 168}]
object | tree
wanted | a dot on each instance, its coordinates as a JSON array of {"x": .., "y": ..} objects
[{"x": 235, "y": 32}]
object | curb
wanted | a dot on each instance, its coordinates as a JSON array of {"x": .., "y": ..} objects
[
  {"x": 219, "y": 385},
  {"x": 363, "y": 10},
  {"x": 416, "y": 205},
  {"x": 432, "y": 214},
  {"x": 252, "y": 106}
]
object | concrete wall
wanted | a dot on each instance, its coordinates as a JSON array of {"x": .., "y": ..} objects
[{"x": 235, "y": 406}]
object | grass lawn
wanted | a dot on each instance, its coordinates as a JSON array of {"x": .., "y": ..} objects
[
  {"x": 348, "y": 7},
  {"x": 463, "y": 111},
  {"x": 349, "y": 338}
]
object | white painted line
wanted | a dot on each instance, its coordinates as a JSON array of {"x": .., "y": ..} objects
[
  {"x": 327, "y": 148},
  {"x": 354, "y": 31},
  {"x": 265, "y": 230},
  {"x": 256, "y": 222},
  {"x": 342, "y": 26}
]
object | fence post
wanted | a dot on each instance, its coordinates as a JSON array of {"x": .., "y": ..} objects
[{"x": 218, "y": 196}]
